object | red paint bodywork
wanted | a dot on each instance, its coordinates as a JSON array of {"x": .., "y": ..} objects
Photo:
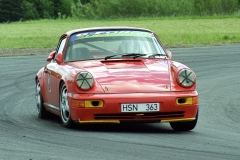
[{"x": 117, "y": 81}]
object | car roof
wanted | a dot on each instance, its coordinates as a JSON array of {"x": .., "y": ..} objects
[{"x": 107, "y": 28}]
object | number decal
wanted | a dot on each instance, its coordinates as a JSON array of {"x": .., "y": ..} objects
[{"x": 49, "y": 82}]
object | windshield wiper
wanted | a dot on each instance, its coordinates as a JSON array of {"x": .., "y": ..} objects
[
  {"x": 134, "y": 55},
  {"x": 107, "y": 57},
  {"x": 154, "y": 55}
]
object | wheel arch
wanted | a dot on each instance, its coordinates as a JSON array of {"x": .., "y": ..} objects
[
  {"x": 59, "y": 89},
  {"x": 68, "y": 123}
]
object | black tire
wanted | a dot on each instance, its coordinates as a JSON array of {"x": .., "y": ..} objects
[
  {"x": 41, "y": 110},
  {"x": 64, "y": 108},
  {"x": 184, "y": 126}
]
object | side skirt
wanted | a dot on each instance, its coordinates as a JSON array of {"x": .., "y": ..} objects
[{"x": 52, "y": 108}]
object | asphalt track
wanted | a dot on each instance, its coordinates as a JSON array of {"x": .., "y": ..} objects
[{"x": 217, "y": 135}]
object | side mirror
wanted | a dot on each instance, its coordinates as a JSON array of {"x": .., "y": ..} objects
[
  {"x": 59, "y": 58},
  {"x": 169, "y": 54},
  {"x": 51, "y": 56}
]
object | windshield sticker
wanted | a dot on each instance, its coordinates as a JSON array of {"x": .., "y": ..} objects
[{"x": 110, "y": 34}]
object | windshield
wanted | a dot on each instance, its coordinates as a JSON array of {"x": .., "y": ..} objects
[{"x": 113, "y": 44}]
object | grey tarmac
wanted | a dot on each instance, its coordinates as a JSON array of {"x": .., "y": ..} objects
[{"x": 216, "y": 137}]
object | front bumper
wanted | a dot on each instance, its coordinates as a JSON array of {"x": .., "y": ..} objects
[{"x": 110, "y": 112}]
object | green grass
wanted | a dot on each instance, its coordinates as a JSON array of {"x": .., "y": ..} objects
[{"x": 181, "y": 30}]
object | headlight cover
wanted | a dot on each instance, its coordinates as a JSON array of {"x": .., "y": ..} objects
[
  {"x": 186, "y": 77},
  {"x": 84, "y": 80}
]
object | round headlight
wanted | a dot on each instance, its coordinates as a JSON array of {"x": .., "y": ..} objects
[
  {"x": 84, "y": 80},
  {"x": 186, "y": 78}
]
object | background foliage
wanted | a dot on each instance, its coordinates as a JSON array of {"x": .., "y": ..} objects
[
  {"x": 18, "y": 10},
  {"x": 136, "y": 8}
]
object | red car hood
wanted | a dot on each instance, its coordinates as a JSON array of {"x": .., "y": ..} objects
[{"x": 114, "y": 76}]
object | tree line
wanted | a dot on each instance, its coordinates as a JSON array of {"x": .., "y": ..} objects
[{"x": 18, "y": 10}]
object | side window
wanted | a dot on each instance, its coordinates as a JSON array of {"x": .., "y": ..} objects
[{"x": 61, "y": 45}]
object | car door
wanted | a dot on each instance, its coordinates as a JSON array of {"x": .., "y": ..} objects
[{"x": 52, "y": 77}]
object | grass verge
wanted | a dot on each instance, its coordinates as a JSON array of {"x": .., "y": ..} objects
[{"x": 173, "y": 32}]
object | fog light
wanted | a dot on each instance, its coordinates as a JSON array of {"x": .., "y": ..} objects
[
  {"x": 94, "y": 103},
  {"x": 184, "y": 101}
]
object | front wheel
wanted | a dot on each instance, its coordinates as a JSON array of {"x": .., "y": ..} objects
[
  {"x": 184, "y": 126},
  {"x": 64, "y": 108}
]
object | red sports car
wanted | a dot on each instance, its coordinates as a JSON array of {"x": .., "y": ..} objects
[{"x": 115, "y": 75}]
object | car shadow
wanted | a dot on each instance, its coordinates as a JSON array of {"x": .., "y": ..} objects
[
  {"x": 163, "y": 128},
  {"x": 128, "y": 128}
]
